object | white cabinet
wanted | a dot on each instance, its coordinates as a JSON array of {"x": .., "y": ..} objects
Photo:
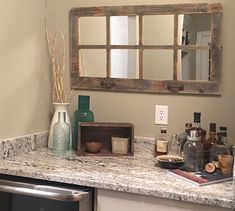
[{"x": 119, "y": 201}]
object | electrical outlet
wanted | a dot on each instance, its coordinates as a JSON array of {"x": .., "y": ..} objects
[{"x": 161, "y": 115}]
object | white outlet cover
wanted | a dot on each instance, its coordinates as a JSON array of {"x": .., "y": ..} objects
[{"x": 161, "y": 115}]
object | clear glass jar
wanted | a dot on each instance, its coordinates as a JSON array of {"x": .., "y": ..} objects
[{"x": 193, "y": 152}]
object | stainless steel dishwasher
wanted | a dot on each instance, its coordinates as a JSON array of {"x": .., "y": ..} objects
[{"x": 25, "y": 194}]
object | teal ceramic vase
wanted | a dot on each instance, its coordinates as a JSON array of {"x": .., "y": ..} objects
[
  {"x": 61, "y": 135},
  {"x": 82, "y": 114}
]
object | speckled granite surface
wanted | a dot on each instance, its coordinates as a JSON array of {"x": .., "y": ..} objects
[
  {"x": 133, "y": 174},
  {"x": 18, "y": 145}
]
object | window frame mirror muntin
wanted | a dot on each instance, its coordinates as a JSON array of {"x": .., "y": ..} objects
[{"x": 212, "y": 87}]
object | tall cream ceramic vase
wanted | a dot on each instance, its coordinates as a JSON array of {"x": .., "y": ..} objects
[{"x": 59, "y": 107}]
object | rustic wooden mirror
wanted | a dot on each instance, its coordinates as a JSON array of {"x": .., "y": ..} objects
[{"x": 173, "y": 48}]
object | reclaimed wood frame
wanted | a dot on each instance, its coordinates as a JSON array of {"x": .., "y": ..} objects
[{"x": 212, "y": 87}]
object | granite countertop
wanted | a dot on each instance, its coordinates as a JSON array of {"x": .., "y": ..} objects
[{"x": 133, "y": 174}]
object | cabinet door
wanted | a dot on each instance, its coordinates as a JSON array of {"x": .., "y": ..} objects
[{"x": 118, "y": 201}]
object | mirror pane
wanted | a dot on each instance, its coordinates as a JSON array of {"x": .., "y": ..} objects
[
  {"x": 90, "y": 35},
  {"x": 194, "y": 65},
  {"x": 92, "y": 62},
  {"x": 195, "y": 29},
  {"x": 158, "y": 64},
  {"x": 123, "y": 30},
  {"x": 124, "y": 64},
  {"x": 158, "y": 29}
]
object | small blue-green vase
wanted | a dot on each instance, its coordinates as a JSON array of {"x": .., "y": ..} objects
[{"x": 61, "y": 135}]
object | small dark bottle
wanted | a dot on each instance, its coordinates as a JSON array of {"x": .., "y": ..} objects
[
  {"x": 223, "y": 133},
  {"x": 211, "y": 141},
  {"x": 188, "y": 126},
  {"x": 182, "y": 138},
  {"x": 197, "y": 127}
]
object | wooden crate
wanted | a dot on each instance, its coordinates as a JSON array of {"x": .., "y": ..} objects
[{"x": 103, "y": 132}]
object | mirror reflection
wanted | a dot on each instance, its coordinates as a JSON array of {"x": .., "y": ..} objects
[
  {"x": 193, "y": 29},
  {"x": 171, "y": 48},
  {"x": 123, "y": 30},
  {"x": 195, "y": 65},
  {"x": 92, "y": 62},
  {"x": 158, "y": 65},
  {"x": 90, "y": 35},
  {"x": 124, "y": 64},
  {"x": 158, "y": 29},
  {"x": 191, "y": 26}
]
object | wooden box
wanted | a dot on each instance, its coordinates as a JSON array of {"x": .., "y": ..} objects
[{"x": 103, "y": 133}]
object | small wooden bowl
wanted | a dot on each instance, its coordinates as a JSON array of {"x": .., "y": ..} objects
[{"x": 93, "y": 146}]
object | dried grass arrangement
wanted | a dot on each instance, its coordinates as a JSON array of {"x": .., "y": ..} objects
[{"x": 56, "y": 50}]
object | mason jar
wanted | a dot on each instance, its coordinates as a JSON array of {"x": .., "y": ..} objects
[{"x": 193, "y": 152}]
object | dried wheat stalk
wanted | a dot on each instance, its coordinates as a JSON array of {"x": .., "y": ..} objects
[{"x": 56, "y": 49}]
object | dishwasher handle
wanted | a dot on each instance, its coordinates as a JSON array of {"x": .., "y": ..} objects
[{"x": 42, "y": 191}]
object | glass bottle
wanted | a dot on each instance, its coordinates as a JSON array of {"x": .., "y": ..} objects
[
  {"x": 82, "y": 114},
  {"x": 182, "y": 138},
  {"x": 221, "y": 147},
  {"x": 61, "y": 135},
  {"x": 212, "y": 140},
  {"x": 161, "y": 142},
  {"x": 59, "y": 107},
  {"x": 174, "y": 146},
  {"x": 197, "y": 126},
  {"x": 193, "y": 152},
  {"x": 223, "y": 133}
]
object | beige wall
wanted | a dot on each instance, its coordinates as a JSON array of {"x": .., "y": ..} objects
[
  {"x": 25, "y": 98},
  {"x": 24, "y": 84},
  {"x": 139, "y": 108}
]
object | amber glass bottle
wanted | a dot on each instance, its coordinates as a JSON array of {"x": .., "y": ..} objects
[
  {"x": 211, "y": 141},
  {"x": 161, "y": 142}
]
